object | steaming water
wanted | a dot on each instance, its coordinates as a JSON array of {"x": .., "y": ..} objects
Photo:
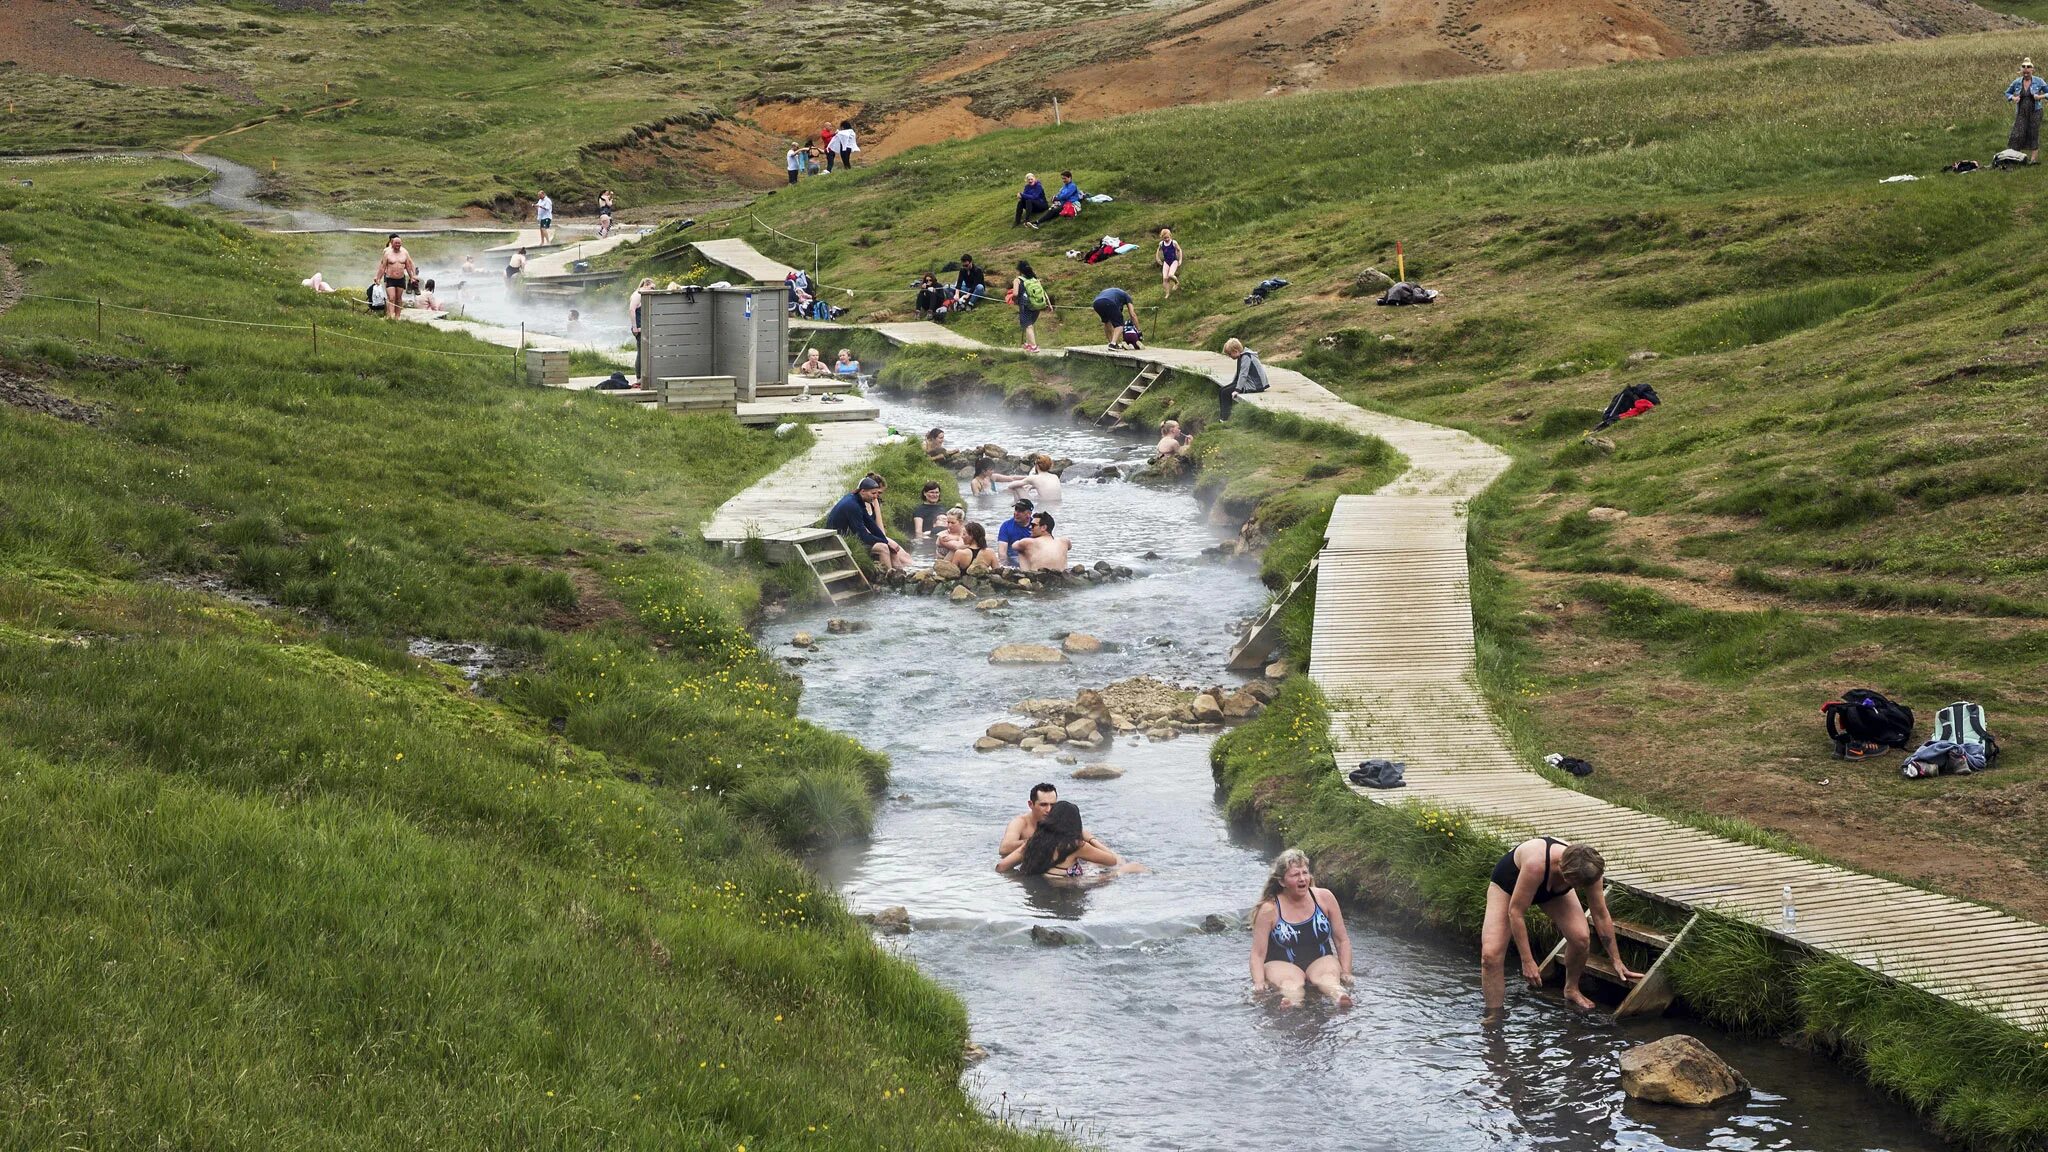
[{"x": 1144, "y": 1036}]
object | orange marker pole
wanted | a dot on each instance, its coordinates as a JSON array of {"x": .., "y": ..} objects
[{"x": 1400, "y": 261}]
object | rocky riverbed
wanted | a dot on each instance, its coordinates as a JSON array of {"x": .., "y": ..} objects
[{"x": 1140, "y": 704}]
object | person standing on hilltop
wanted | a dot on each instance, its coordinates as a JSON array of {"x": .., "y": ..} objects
[
  {"x": 2026, "y": 93},
  {"x": 825, "y": 138},
  {"x": 396, "y": 269},
  {"x": 844, "y": 143}
]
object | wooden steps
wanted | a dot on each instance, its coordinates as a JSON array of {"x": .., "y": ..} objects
[
  {"x": 698, "y": 393},
  {"x": 1147, "y": 376},
  {"x": 1259, "y": 641},
  {"x": 826, "y": 555},
  {"x": 1649, "y": 996}
]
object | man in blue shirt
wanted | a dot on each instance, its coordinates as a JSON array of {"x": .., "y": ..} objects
[
  {"x": 1111, "y": 306},
  {"x": 1017, "y": 527},
  {"x": 2025, "y": 93},
  {"x": 1069, "y": 193},
  {"x": 859, "y": 514}
]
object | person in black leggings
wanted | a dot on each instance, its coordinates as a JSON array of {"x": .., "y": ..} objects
[{"x": 1548, "y": 873}]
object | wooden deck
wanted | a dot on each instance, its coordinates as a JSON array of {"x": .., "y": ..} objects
[
  {"x": 1393, "y": 648},
  {"x": 739, "y": 256},
  {"x": 800, "y": 492}
]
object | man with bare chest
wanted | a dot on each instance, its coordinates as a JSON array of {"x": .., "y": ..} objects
[{"x": 396, "y": 269}]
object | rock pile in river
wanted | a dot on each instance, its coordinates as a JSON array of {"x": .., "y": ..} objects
[
  {"x": 1140, "y": 704},
  {"x": 979, "y": 583},
  {"x": 962, "y": 462}
]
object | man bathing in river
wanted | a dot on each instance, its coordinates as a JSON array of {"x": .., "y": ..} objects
[
  {"x": 1017, "y": 528},
  {"x": 1022, "y": 828},
  {"x": 1298, "y": 936},
  {"x": 1059, "y": 846},
  {"x": 1042, "y": 552},
  {"x": 1547, "y": 873},
  {"x": 396, "y": 269},
  {"x": 1041, "y": 483}
]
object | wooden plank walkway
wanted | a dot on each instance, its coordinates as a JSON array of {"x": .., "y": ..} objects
[
  {"x": 510, "y": 337},
  {"x": 1393, "y": 648},
  {"x": 803, "y": 489},
  {"x": 555, "y": 261},
  {"x": 740, "y": 256}
]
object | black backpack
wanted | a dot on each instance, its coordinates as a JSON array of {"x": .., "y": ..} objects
[{"x": 1864, "y": 716}]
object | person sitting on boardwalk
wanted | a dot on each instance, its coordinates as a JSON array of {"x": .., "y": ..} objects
[
  {"x": 953, "y": 533},
  {"x": 1042, "y": 551},
  {"x": 1249, "y": 376},
  {"x": 1041, "y": 483},
  {"x": 1112, "y": 306},
  {"x": 1172, "y": 441},
  {"x": 859, "y": 514},
  {"x": 974, "y": 551},
  {"x": 1298, "y": 936},
  {"x": 1059, "y": 846},
  {"x": 1021, "y": 828},
  {"x": 1031, "y": 201},
  {"x": 1545, "y": 872},
  {"x": 813, "y": 365},
  {"x": 395, "y": 269},
  {"x": 1015, "y": 529}
]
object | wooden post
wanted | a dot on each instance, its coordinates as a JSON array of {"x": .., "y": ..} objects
[
  {"x": 520, "y": 355},
  {"x": 99, "y": 316},
  {"x": 316, "y": 338},
  {"x": 1055, "y": 111}
]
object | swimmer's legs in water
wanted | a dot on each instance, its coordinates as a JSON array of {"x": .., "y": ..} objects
[
  {"x": 1289, "y": 981},
  {"x": 1570, "y": 919},
  {"x": 1495, "y": 941},
  {"x": 1328, "y": 978}
]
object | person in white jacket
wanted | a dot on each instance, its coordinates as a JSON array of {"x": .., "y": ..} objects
[{"x": 844, "y": 144}]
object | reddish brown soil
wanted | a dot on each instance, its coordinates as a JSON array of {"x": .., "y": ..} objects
[{"x": 40, "y": 36}]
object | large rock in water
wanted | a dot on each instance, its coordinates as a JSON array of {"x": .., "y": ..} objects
[
  {"x": 1027, "y": 654},
  {"x": 891, "y": 921},
  {"x": 1079, "y": 643},
  {"x": 1207, "y": 710},
  {"x": 1680, "y": 1070},
  {"x": 1006, "y": 732}
]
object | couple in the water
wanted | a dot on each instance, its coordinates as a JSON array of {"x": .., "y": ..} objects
[
  {"x": 1049, "y": 840},
  {"x": 1299, "y": 940}
]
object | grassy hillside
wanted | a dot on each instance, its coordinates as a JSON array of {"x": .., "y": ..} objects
[
  {"x": 1843, "y": 487},
  {"x": 273, "y": 882}
]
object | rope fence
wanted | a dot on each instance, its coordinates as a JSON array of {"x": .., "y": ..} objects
[{"x": 312, "y": 328}]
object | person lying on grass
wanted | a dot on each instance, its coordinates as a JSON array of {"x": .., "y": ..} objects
[
  {"x": 1547, "y": 873},
  {"x": 1298, "y": 936}
]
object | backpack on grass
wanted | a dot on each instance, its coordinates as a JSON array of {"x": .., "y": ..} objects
[
  {"x": 1863, "y": 718},
  {"x": 1963, "y": 723}
]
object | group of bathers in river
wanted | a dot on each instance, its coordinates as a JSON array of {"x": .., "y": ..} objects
[{"x": 1298, "y": 936}]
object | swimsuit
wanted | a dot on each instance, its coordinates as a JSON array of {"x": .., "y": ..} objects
[
  {"x": 1300, "y": 943},
  {"x": 1506, "y": 871}
]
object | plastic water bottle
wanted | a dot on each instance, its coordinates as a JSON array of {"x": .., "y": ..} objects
[{"x": 1791, "y": 914}]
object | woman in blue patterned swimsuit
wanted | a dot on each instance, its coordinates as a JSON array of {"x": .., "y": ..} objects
[{"x": 1298, "y": 936}]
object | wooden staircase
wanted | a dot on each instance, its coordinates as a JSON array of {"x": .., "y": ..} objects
[
  {"x": 1649, "y": 996},
  {"x": 825, "y": 554},
  {"x": 1139, "y": 385},
  {"x": 1263, "y": 636}
]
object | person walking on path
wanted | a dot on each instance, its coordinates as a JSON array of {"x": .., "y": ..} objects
[
  {"x": 1168, "y": 259},
  {"x": 1250, "y": 376},
  {"x": 2026, "y": 93},
  {"x": 1547, "y": 873},
  {"x": 845, "y": 144},
  {"x": 794, "y": 160},
  {"x": 1031, "y": 298},
  {"x": 544, "y": 212},
  {"x": 1031, "y": 201},
  {"x": 1298, "y": 936},
  {"x": 1112, "y": 306},
  {"x": 396, "y": 269}
]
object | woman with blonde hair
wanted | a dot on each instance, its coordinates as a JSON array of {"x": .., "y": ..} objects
[
  {"x": 952, "y": 532},
  {"x": 1298, "y": 936},
  {"x": 1548, "y": 873},
  {"x": 1168, "y": 258}
]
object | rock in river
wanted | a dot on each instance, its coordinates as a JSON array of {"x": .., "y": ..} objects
[
  {"x": 1006, "y": 732},
  {"x": 1027, "y": 654},
  {"x": 802, "y": 640},
  {"x": 891, "y": 921},
  {"x": 1098, "y": 772},
  {"x": 1080, "y": 643},
  {"x": 989, "y": 744},
  {"x": 1207, "y": 710},
  {"x": 1678, "y": 1069}
]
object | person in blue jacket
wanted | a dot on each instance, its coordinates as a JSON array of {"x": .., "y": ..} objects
[
  {"x": 1069, "y": 193},
  {"x": 1031, "y": 201},
  {"x": 2026, "y": 93},
  {"x": 859, "y": 514}
]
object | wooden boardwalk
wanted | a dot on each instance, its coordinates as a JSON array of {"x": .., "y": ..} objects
[
  {"x": 1393, "y": 649},
  {"x": 740, "y": 256},
  {"x": 797, "y": 494}
]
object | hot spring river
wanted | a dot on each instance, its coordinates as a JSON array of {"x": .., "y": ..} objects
[{"x": 1144, "y": 1036}]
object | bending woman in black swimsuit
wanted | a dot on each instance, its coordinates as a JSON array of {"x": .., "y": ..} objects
[
  {"x": 1545, "y": 872},
  {"x": 1298, "y": 936}
]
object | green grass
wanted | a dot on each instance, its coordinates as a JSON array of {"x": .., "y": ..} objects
[{"x": 274, "y": 882}]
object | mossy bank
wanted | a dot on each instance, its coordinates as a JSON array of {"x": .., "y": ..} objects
[{"x": 273, "y": 881}]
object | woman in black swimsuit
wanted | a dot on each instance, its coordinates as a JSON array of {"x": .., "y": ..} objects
[
  {"x": 1545, "y": 872},
  {"x": 976, "y": 549},
  {"x": 1298, "y": 936}
]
